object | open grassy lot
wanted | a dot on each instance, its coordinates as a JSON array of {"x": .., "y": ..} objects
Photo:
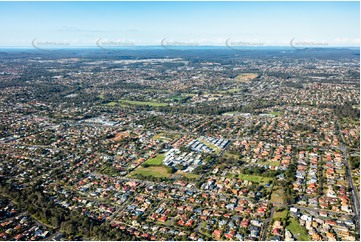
[
  {"x": 156, "y": 161},
  {"x": 278, "y": 196},
  {"x": 166, "y": 136},
  {"x": 270, "y": 163},
  {"x": 281, "y": 215},
  {"x": 276, "y": 113},
  {"x": 253, "y": 178},
  {"x": 228, "y": 155},
  {"x": 111, "y": 103},
  {"x": 156, "y": 171},
  {"x": 140, "y": 103},
  {"x": 297, "y": 230},
  {"x": 188, "y": 175}
]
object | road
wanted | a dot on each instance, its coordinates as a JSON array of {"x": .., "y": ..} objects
[
  {"x": 266, "y": 224},
  {"x": 355, "y": 198},
  {"x": 317, "y": 210}
]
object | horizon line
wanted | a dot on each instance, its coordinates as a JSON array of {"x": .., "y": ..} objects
[{"x": 182, "y": 46}]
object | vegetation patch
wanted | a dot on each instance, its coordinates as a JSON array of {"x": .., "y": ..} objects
[
  {"x": 155, "y": 171},
  {"x": 143, "y": 103},
  {"x": 297, "y": 230},
  {"x": 188, "y": 175},
  {"x": 276, "y": 113},
  {"x": 281, "y": 215},
  {"x": 156, "y": 161},
  {"x": 253, "y": 178},
  {"x": 278, "y": 196},
  {"x": 166, "y": 136},
  {"x": 229, "y": 155},
  {"x": 111, "y": 103},
  {"x": 270, "y": 163}
]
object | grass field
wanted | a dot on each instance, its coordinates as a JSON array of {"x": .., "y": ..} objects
[
  {"x": 156, "y": 161},
  {"x": 297, "y": 230},
  {"x": 141, "y": 103},
  {"x": 228, "y": 155},
  {"x": 253, "y": 178},
  {"x": 281, "y": 215},
  {"x": 278, "y": 196},
  {"x": 188, "y": 175},
  {"x": 270, "y": 163},
  {"x": 161, "y": 137},
  {"x": 276, "y": 113},
  {"x": 166, "y": 136},
  {"x": 125, "y": 103},
  {"x": 111, "y": 103},
  {"x": 156, "y": 171}
]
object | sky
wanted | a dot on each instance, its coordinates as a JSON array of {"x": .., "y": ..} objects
[{"x": 179, "y": 23}]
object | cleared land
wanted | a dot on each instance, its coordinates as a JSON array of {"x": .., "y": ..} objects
[
  {"x": 166, "y": 136},
  {"x": 156, "y": 171},
  {"x": 253, "y": 178},
  {"x": 246, "y": 77},
  {"x": 156, "y": 161},
  {"x": 297, "y": 230},
  {"x": 120, "y": 136},
  {"x": 188, "y": 175},
  {"x": 278, "y": 196}
]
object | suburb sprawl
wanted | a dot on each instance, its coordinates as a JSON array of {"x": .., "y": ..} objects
[{"x": 157, "y": 144}]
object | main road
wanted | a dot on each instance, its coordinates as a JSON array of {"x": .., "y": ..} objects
[{"x": 355, "y": 198}]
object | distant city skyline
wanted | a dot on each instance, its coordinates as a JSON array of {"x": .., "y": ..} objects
[{"x": 246, "y": 24}]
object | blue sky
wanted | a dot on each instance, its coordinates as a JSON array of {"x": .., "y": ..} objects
[{"x": 205, "y": 23}]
